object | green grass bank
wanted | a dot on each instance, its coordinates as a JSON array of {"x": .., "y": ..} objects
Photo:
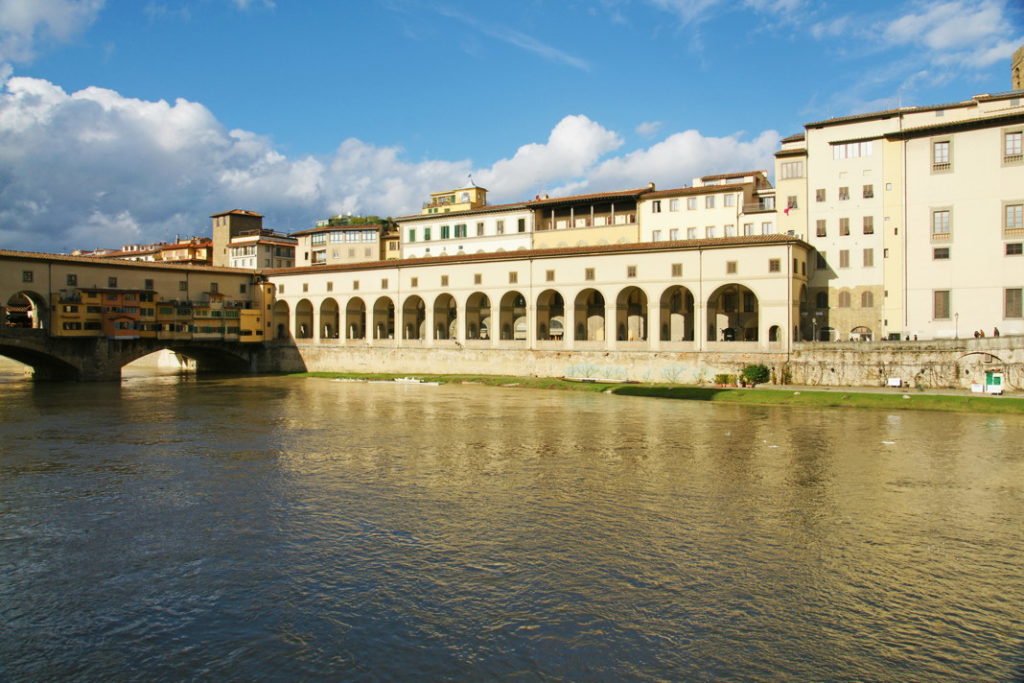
[{"x": 837, "y": 397}]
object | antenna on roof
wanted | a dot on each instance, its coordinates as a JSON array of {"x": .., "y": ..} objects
[{"x": 470, "y": 176}]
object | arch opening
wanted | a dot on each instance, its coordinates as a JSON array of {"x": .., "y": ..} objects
[
  {"x": 589, "y": 315},
  {"x": 733, "y": 314},
  {"x": 677, "y": 314},
  {"x": 550, "y": 316}
]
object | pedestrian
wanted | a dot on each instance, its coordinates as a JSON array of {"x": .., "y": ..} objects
[
  {"x": 976, "y": 334},
  {"x": 982, "y": 333},
  {"x": 995, "y": 331}
]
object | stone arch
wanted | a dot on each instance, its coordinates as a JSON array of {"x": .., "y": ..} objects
[
  {"x": 304, "y": 319},
  {"x": 589, "y": 309},
  {"x": 414, "y": 318},
  {"x": 384, "y": 318},
  {"x": 861, "y": 333},
  {"x": 355, "y": 319},
  {"x": 631, "y": 314},
  {"x": 26, "y": 309},
  {"x": 512, "y": 317},
  {"x": 774, "y": 334},
  {"x": 329, "y": 319},
  {"x": 446, "y": 316},
  {"x": 44, "y": 365},
  {"x": 550, "y": 315},
  {"x": 733, "y": 314},
  {"x": 281, "y": 314},
  {"x": 677, "y": 314},
  {"x": 478, "y": 316}
]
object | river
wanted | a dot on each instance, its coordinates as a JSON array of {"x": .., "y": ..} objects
[{"x": 300, "y": 529}]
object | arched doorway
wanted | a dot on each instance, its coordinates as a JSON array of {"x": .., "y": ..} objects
[
  {"x": 733, "y": 314},
  {"x": 384, "y": 318},
  {"x": 281, "y": 313},
  {"x": 677, "y": 314},
  {"x": 550, "y": 315},
  {"x": 861, "y": 333},
  {"x": 589, "y": 309},
  {"x": 513, "y": 316},
  {"x": 446, "y": 315},
  {"x": 355, "y": 319},
  {"x": 806, "y": 316},
  {"x": 414, "y": 318},
  {"x": 478, "y": 316},
  {"x": 26, "y": 309},
  {"x": 304, "y": 319},
  {"x": 631, "y": 315},
  {"x": 329, "y": 323}
]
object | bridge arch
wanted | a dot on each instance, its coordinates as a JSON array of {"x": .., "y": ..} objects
[{"x": 27, "y": 309}]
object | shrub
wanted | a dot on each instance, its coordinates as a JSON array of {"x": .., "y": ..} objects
[
  {"x": 755, "y": 374},
  {"x": 725, "y": 379}
]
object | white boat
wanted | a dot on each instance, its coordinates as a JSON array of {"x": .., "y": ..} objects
[{"x": 413, "y": 380}]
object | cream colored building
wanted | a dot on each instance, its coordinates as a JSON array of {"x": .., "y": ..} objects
[
  {"x": 881, "y": 219},
  {"x": 725, "y": 294},
  {"x": 335, "y": 244},
  {"x": 262, "y": 249},
  {"x": 588, "y": 219}
]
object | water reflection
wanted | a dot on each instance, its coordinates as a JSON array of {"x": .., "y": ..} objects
[{"x": 282, "y": 529}]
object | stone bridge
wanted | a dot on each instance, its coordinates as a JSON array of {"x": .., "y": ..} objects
[{"x": 101, "y": 359}]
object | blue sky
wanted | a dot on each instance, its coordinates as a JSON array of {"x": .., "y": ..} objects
[{"x": 133, "y": 120}]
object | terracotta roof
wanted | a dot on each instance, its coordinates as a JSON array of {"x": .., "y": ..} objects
[
  {"x": 706, "y": 189},
  {"x": 950, "y": 126},
  {"x": 329, "y": 228},
  {"x": 723, "y": 176},
  {"x": 887, "y": 113},
  {"x": 802, "y": 152},
  {"x": 527, "y": 254},
  {"x": 237, "y": 212},
  {"x": 799, "y": 137},
  {"x": 107, "y": 262},
  {"x": 467, "y": 212}
]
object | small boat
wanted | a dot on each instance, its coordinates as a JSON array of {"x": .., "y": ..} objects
[
  {"x": 600, "y": 380},
  {"x": 413, "y": 380}
]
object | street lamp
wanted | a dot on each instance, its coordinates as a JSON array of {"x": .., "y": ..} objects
[{"x": 956, "y": 326}]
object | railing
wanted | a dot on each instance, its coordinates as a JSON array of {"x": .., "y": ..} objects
[
  {"x": 758, "y": 207},
  {"x": 940, "y": 167},
  {"x": 1012, "y": 158}
]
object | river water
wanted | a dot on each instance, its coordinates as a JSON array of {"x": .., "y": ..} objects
[{"x": 301, "y": 529}]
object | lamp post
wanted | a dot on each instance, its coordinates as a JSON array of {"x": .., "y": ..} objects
[{"x": 956, "y": 326}]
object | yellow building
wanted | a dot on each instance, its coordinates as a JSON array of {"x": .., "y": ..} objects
[{"x": 463, "y": 199}]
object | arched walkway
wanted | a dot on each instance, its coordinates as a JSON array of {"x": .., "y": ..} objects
[
  {"x": 446, "y": 314},
  {"x": 732, "y": 314},
  {"x": 550, "y": 316},
  {"x": 478, "y": 316},
  {"x": 355, "y": 319},
  {"x": 414, "y": 318},
  {"x": 589, "y": 317},
  {"x": 513, "y": 316},
  {"x": 304, "y": 319},
  {"x": 631, "y": 315},
  {"x": 384, "y": 318},
  {"x": 281, "y": 314},
  {"x": 677, "y": 314},
  {"x": 329, "y": 319},
  {"x": 26, "y": 309}
]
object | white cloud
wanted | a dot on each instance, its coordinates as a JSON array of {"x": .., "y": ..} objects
[
  {"x": 246, "y": 4},
  {"x": 24, "y": 23},
  {"x": 648, "y": 128},
  {"x": 96, "y": 169}
]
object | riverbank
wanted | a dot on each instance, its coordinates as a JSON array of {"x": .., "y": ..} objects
[{"x": 766, "y": 395}]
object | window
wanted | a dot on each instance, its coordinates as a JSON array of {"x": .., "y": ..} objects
[
  {"x": 730, "y": 267},
  {"x": 820, "y": 262},
  {"x": 709, "y": 231},
  {"x": 549, "y": 276},
  {"x": 1012, "y": 303},
  {"x": 656, "y": 235},
  {"x": 513, "y": 277},
  {"x": 869, "y": 258},
  {"x": 1014, "y": 249},
  {"x": 867, "y": 300},
  {"x": 656, "y": 206},
  {"x": 691, "y": 203},
  {"x": 767, "y": 228},
  {"x": 426, "y": 234},
  {"x": 844, "y": 226},
  {"x": 791, "y": 201},
  {"x": 318, "y": 239},
  {"x": 819, "y": 195},
  {"x": 477, "y": 278},
  {"x": 461, "y": 230},
  {"x": 1013, "y": 216},
  {"x": 729, "y": 200},
  {"x": 305, "y": 286},
  {"x": 588, "y": 274},
  {"x": 355, "y": 285},
  {"x": 691, "y": 233},
  {"x": 792, "y": 169},
  {"x": 730, "y": 230},
  {"x": 444, "y": 280},
  {"x": 673, "y": 234},
  {"x": 72, "y": 280},
  {"x": 673, "y": 205},
  {"x": 27, "y": 275},
  {"x": 183, "y": 286},
  {"x": 940, "y": 304},
  {"x": 869, "y": 191},
  {"x": 852, "y": 150},
  {"x": 774, "y": 265},
  {"x": 821, "y": 231},
  {"x": 414, "y": 282},
  {"x": 446, "y": 232},
  {"x": 796, "y": 266},
  {"x": 1012, "y": 147},
  {"x": 844, "y": 258},
  {"x": 111, "y": 282},
  {"x": 940, "y": 253},
  {"x": 844, "y": 193},
  {"x": 709, "y": 201},
  {"x": 821, "y": 300},
  {"x": 677, "y": 270},
  {"x": 330, "y": 286},
  {"x": 940, "y": 223},
  {"x": 384, "y": 283},
  {"x": 748, "y": 228},
  {"x": 843, "y": 300},
  {"x": 148, "y": 283},
  {"x": 480, "y": 229},
  {"x": 500, "y": 227},
  {"x": 941, "y": 160},
  {"x": 869, "y": 225},
  {"x": 630, "y": 271}
]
